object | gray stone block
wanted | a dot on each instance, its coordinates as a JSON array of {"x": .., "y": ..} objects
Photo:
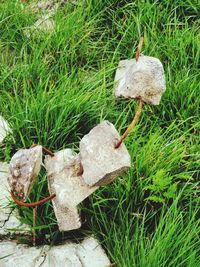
[
  {"x": 143, "y": 79},
  {"x": 101, "y": 162},
  {"x": 65, "y": 169},
  {"x": 24, "y": 167}
]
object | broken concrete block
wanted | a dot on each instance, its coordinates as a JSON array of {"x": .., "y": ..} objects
[
  {"x": 4, "y": 129},
  {"x": 8, "y": 221},
  {"x": 67, "y": 217},
  {"x": 24, "y": 167},
  {"x": 88, "y": 253},
  {"x": 65, "y": 170},
  {"x": 101, "y": 162},
  {"x": 143, "y": 79}
]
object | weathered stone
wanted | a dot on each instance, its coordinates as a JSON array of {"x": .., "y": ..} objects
[
  {"x": 88, "y": 253},
  {"x": 65, "y": 170},
  {"x": 67, "y": 217},
  {"x": 18, "y": 255},
  {"x": 44, "y": 24},
  {"x": 143, "y": 79},
  {"x": 4, "y": 129},
  {"x": 91, "y": 254},
  {"x": 101, "y": 162},
  {"x": 24, "y": 167},
  {"x": 8, "y": 221},
  {"x": 45, "y": 6}
]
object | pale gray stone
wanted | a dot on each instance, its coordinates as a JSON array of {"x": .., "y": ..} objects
[
  {"x": 65, "y": 170},
  {"x": 101, "y": 162},
  {"x": 88, "y": 253},
  {"x": 8, "y": 220},
  {"x": 4, "y": 128},
  {"x": 67, "y": 217},
  {"x": 45, "y": 6},
  {"x": 63, "y": 255},
  {"x": 44, "y": 24},
  {"x": 91, "y": 254},
  {"x": 24, "y": 167},
  {"x": 143, "y": 79}
]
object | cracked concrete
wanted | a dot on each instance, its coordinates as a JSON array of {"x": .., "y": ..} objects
[{"x": 88, "y": 253}]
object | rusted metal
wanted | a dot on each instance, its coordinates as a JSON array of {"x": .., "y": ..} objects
[
  {"x": 46, "y": 150},
  {"x": 131, "y": 126},
  {"x": 139, "y": 47},
  {"x": 34, "y": 204}
]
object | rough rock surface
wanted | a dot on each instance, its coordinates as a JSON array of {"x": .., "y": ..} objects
[
  {"x": 101, "y": 162},
  {"x": 143, "y": 79},
  {"x": 46, "y": 6},
  {"x": 65, "y": 170},
  {"x": 67, "y": 217},
  {"x": 24, "y": 167},
  {"x": 86, "y": 254},
  {"x": 44, "y": 24},
  {"x": 4, "y": 128},
  {"x": 46, "y": 9},
  {"x": 8, "y": 221}
]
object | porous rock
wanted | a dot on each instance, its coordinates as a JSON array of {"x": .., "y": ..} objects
[
  {"x": 4, "y": 128},
  {"x": 88, "y": 253},
  {"x": 67, "y": 216},
  {"x": 24, "y": 167},
  {"x": 101, "y": 162},
  {"x": 9, "y": 224},
  {"x": 65, "y": 170},
  {"x": 143, "y": 79}
]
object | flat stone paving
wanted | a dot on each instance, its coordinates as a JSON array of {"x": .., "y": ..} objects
[{"x": 88, "y": 253}]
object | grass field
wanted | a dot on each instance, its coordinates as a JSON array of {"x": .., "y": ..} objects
[{"x": 55, "y": 87}]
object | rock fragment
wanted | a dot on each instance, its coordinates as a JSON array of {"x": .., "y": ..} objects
[
  {"x": 8, "y": 221},
  {"x": 65, "y": 171},
  {"x": 101, "y": 162},
  {"x": 142, "y": 79},
  {"x": 24, "y": 167},
  {"x": 4, "y": 128},
  {"x": 67, "y": 217},
  {"x": 91, "y": 254}
]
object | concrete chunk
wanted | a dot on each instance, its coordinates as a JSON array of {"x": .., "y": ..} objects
[
  {"x": 24, "y": 167},
  {"x": 101, "y": 162},
  {"x": 67, "y": 217},
  {"x": 65, "y": 170},
  {"x": 143, "y": 79},
  {"x": 8, "y": 220}
]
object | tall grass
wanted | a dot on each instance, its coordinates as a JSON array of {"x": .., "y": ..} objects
[{"x": 55, "y": 87}]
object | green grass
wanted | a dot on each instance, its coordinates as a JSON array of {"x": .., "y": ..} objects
[{"x": 55, "y": 87}]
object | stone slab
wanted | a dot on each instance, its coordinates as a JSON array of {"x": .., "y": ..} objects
[
  {"x": 143, "y": 79},
  {"x": 24, "y": 167},
  {"x": 88, "y": 253},
  {"x": 101, "y": 162},
  {"x": 65, "y": 170}
]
